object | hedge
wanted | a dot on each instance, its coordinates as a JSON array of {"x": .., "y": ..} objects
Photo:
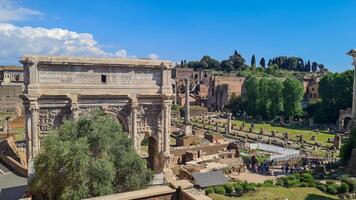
[{"x": 219, "y": 190}]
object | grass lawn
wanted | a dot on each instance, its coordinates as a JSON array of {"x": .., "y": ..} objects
[
  {"x": 271, "y": 193},
  {"x": 293, "y": 132}
]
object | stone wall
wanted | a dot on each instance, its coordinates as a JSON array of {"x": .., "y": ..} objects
[
  {"x": 221, "y": 89},
  {"x": 9, "y": 98}
]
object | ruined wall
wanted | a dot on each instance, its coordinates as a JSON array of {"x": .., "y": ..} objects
[
  {"x": 221, "y": 89},
  {"x": 9, "y": 97}
]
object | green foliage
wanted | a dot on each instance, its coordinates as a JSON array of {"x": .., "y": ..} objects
[
  {"x": 253, "y": 61},
  {"x": 238, "y": 188},
  {"x": 86, "y": 158},
  {"x": 352, "y": 183},
  {"x": 321, "y": 188},
  {"x": 293, "y": 63},
  {"x": 218, "y": 189},
  {"x": 335, "y": 91},
  {"x": 263, "y": 62},
  {"x": 304, "y": 184},
  {"x": 293, "y": 96},
  {"x": 348, "y": 145},
  {"x": 209, "y": 190},
  {"x": 308, "y": 178},
  {"x": 344, "y": 188},
  {"x": 229, "y": 188},
  {"x": 268, "y": 98},
  {"x": 331, "y": 189},
  {"x": 268, "y": 183}
]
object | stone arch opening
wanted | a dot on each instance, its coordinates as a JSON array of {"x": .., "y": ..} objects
[
  {"x": 149, "y": 150},
  {"x": 120, "y": 119}
]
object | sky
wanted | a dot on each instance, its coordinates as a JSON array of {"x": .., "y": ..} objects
[{"x": 316, "y": 30}]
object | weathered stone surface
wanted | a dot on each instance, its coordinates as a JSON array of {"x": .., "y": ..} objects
[{"x": 135, "y": 92}]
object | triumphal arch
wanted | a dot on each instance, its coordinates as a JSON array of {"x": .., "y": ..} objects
[{"x": 136, "y": 92}]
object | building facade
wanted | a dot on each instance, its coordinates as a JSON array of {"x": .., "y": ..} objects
[{"x": 135, "y": 92}]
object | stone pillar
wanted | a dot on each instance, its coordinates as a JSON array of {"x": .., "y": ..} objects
[
  {"x": 28, "y": 128},
  {"x": 352, "y": 53},
  {"x": 134, "y": 106},
  {"x": 228, "y": 129},
  {"x": 187, "y": 109},
  {"x": 74, "y": 106},
  {"x": 166, "y": 131},
  {"x": 34, "y": 109}
]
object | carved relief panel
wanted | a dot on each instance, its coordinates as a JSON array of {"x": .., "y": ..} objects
[{"x": 51, "y": 118}]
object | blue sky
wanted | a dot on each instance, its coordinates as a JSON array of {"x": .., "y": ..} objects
[{"x": 319, "y": 30}]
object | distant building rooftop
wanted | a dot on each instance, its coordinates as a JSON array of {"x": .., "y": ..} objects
[
  {"x": 207, "y": 179},
  {"x": 11, "y": 68}
]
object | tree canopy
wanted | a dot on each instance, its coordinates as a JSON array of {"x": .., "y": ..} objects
[
  {"x": 88, "y": 157},
  {"x": 268, "y": 98},
  {"x": 335, "y": 91}
]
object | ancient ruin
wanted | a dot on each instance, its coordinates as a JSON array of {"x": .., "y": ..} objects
[{"x": 135, "y": 92}]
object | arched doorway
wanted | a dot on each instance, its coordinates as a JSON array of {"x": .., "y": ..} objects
[{"x": 149, "y": 150}]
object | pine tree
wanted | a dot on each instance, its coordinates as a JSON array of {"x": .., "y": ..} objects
[
  {"x": 263, "y": 62},
  {"x": 253, "y": 61}
]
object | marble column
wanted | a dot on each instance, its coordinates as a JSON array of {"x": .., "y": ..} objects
[
  {"x": 74, "y": 106},
  {"x": 187, "y": 109},
  {"x": 167, "y": 123},
  {"x": 34, "y": 109},
  {"x": 352, "y": 53},
  {"x": 228, "y": 128},
  {"x": 134, "y": 107}
]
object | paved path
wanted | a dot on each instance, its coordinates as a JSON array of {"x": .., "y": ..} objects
[{"x": 12, "y": 186}]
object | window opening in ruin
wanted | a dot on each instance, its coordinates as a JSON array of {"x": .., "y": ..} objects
[{"x": 103, "y": 78}]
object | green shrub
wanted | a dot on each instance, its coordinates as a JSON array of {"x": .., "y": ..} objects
[
  {"x": 219, "y": 190},
  {"x": 229, "y": 188},
  {"x": 352, "y": 184},
  {"x": 307, "y": 178},
  {"x": 268, "y": 183},
  {"x": 238, "y": 188},
  {"x": 321, "y": 187},
  {"x": 209, "y": 190},
  {"x": 280, "y": 182},
  {"x": 293, "y": 183},
  {"x": 312, "y": 184},
  {"x": 296, "y": 175},
  {"x": 344, "y": 188},
  {"x": 259, "y": 184},
  {"x": 331, "y": 189},
  {"x": 304, "y": 184}
]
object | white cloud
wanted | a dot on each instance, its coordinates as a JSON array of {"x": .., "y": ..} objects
[
  {"x": 16, "y": 41},
  {"x": 153, "y": 56},
  {"x": 11, "y": 11}
]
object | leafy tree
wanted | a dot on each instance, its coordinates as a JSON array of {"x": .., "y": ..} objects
[
  {"x": 251, "y": 95},
  {"x": 211, "y": 62},
  {"x": 335, "y": 91},
  {"x": 86, "y": 158},
  {"x": 237, "y": 61},
  {"x": 293, "y": 96},
  {"x": 275, "y": 88},
  {"x": 308, "y": 66},
  {"x": 263, "y": 101},
  {"x": 226, "y": 66},
  {"x": 263, "y": 62},
  {"x": 237, "y": 104},
  {"x": 314, "y": 67},
  {"x": 253, "y": 61}
]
